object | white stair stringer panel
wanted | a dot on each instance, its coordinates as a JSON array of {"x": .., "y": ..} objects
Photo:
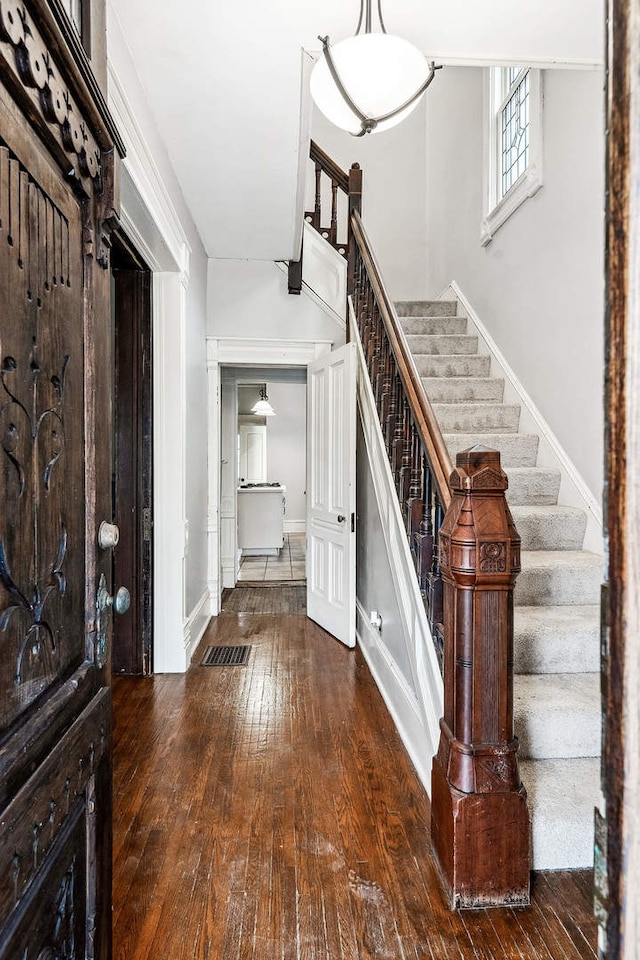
[{"x": 416, "y": 712}]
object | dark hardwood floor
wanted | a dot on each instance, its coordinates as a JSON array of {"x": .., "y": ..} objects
[{"x": 269, "y": 812}]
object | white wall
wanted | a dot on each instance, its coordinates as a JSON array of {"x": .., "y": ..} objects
[
  {"x": 393, "y": 194},
  {"x": 286, "y": 446},
  {"x": 249, "y": 298},
  {"x": 156, "y": 214},
  {"x": 538, "y": 286}
]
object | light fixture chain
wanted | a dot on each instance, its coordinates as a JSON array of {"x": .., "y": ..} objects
[
  {"x": 413, "y": 98},
  {"x": 335, "y": 76},
  {"x": 382, "y": 26}
]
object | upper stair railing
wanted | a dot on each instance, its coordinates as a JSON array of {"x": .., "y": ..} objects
[
  {"x": 466, "y": 553},
  {"x": 337, "y": 231}
]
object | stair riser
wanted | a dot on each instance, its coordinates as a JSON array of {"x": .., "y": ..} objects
[
  {"x": 557, "y": 716},
  {"x": 535, "y": 486},
  {"x": 426, "y": 308},
  {"x": 478, "y": 418},
  {"x": 432, "y": 365},
  {"x": 561, "y": 795},
  {"x": 572, "y": 735},
  {"x": 557, "y": 586},
  {"x": 552, "y": 532},
  {"x": 540, "y": 654},
  {"x": 516, "y": 450},
  {"x": 442, "y": 345},
  {"x": 430, "y": 326},
  {"x": 463, "y": 389}
]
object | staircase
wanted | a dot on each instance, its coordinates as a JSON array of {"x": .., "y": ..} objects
[{"x": 557, "y": 695}]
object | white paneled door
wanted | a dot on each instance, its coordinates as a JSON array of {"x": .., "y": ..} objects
[{"x": 331, "y": 493}]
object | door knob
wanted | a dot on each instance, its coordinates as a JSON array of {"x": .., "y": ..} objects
[
  {"x": 104, "y": 601},
  {"x": 341, "y": 519},
  {"x": 108, "y": 535},
  {"x": 120, "y": 602}
]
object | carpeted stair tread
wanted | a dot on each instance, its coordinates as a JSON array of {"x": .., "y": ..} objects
[
  {"x": 463, "y": 389},
  {"x": 516, "y": 449},
  {"x": 561, "y": 796},
  {"x": 477, "y": 417},
  {"x": 557, "y": 715},
  {"x": 426, "y": 308},
  {"x": 533, "y": 485},
  {"x": 558, "y": 577},
  {"x": 550, "y": 527},
  {"x": 442, "y": 344},
  {"x": 557, "y": 639},
  {"x": 452, "y": 365},
  {"x": 430, "y": 326}
]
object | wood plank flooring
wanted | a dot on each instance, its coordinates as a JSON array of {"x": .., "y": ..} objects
[{"x": 270, "y": 812}]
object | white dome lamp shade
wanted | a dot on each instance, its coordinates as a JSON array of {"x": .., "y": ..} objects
[
  {"x": 262, "y": 407},
  {"x": 371, "y": 81}
]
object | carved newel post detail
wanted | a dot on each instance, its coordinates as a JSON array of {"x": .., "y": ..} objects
[{"x": 479, "y": 821}]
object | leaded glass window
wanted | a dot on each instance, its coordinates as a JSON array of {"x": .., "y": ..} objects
[
  {"x": 514, "y": 127},
  {"x": 512, "y": 166}
]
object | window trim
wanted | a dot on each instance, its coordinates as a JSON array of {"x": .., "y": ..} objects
[{"x": 497, "y": 211}]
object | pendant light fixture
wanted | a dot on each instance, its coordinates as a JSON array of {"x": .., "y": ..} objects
[
  {"x": 262, "y": 407},
  {"x": 371, "y": 81}
]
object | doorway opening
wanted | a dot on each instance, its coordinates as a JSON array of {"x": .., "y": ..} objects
[
  {"x": 263, "y": 475},
  {"x": 132, "y": 451}
]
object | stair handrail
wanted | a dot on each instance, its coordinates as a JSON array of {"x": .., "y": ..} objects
[
  {"x": 425, "y": 419},
  {"x": 329, "y": 166}
]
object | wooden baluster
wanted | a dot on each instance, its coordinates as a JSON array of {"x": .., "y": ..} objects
[
  {"x": 435, "y": 584},
  {"x": 390, "y": 422},
  {"x": 405, "y": 464},
  {"x": 424, "y": 537},
  {"x": 355, "y": 203},
  {"x": 317, "y": 209},
  {"x": 384, "y": 359},
  {"x": 376, "y": 346},
  {"x": 387, "y": 378},
  {"x": 333, "y": 229},
  {"x": 415, "y": 498},
  {"x": 398, "y": 435},
  {"x": 479, "y": 820}
]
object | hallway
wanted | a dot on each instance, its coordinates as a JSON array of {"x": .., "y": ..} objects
[{"x": 270, "y": 811}]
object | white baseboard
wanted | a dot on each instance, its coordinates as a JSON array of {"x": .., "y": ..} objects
[
  {"x": 295, "y": 526},
  {"x": 397, "y": 694},
  {"x": 574, "y": 491},
  {"x": 195, "y": 626}
]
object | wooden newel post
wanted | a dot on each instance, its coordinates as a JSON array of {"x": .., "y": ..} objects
[{"x": 479, "y": 821}]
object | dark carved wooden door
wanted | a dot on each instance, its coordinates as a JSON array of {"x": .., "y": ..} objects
[{"x": 54, "y": 491}]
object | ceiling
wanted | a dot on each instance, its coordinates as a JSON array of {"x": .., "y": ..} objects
[{"x": 224, "y": 80}]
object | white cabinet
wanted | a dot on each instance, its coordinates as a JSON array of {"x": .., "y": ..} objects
[{"x": 261, "y": 519}]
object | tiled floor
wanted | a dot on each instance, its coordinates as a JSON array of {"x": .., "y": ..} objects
[{"x": 289, "y": 564}]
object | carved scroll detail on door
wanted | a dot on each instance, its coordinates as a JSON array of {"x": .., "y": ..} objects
[
  {"x": 32, "y": 437},
  {"x": 35, "y": 230}
]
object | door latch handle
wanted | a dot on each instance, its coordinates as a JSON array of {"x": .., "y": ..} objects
[
  {"x": 341, "y": 519},
  {"x": 108, "y": 535}
]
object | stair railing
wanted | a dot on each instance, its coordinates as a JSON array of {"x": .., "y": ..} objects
[
  {"x": 418, "y": 456},
  {"x": 466, "y": 553},
  {"x": 337, "y": 231}
]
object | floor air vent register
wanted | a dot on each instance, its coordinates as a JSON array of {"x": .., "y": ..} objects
[{"x": 237, "y": 656}]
